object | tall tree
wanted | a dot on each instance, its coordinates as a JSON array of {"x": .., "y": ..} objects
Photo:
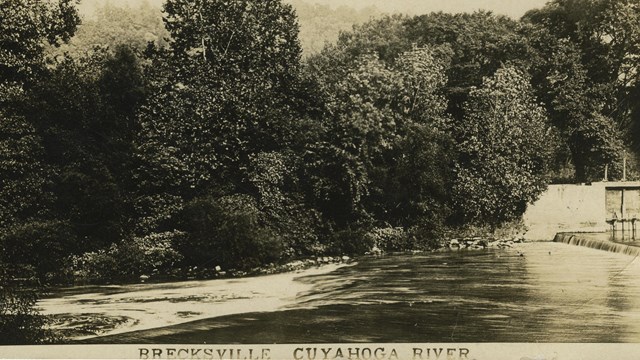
[
  {"x": 85, "y": 112},
  {"x": 25, "y": 27},
  {"x": 22, "y": 174},
  {"x": 371, "y": 110},
  {"x": 234, "y": 64},
  {"x": 111, "y": 26},
  {"x": 607, "y": 34},
  {"x": 504, "y": 150}
]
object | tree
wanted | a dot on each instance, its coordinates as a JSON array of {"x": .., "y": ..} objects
[
  {"x": 480, "y": 43},
  {"x": 475, "y": 44},
  {"x": 606, "y": 33},
  {"x": 371, "y": 111},
  {"x": 504, "y": 150},
  {"x": 111, "y": 26},
  {"x": 236, "y": 38},
  {"x": 385, "y": 38},
  {"x": 25, "y": 25},
  {"x": 22, "y": 174},
  {"x": 321, "y": 25},
  {"x": 122, "y": 89},
  {"x": 85, "y": 112},
  {"x": 234, "y": 64},
  {"x": 225, "y": 99}
]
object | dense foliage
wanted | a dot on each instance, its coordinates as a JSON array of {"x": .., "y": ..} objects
[
  {"x": 32, "y": 242},
  {"x": 204, "y": 139},
  {"x": 504, "y": 150}
]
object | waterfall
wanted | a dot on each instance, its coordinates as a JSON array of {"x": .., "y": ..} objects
[{"x": 596, "y": 241}]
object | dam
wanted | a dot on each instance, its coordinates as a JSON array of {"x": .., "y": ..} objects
[
  {"x": 600, "y": 241},
  {"x": 602, "y": 215},
  {"x": 599, "y": 207}
]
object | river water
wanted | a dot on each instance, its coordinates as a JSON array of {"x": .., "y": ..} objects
[{"x": 537, "y": 292}]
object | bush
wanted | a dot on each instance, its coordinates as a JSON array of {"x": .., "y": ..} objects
[
  {"x": 95, "y": 265},
  {"x": 507, "y": 230},
  {"x": 156, "y": 212},
  {"x": 151, "y": 252},
  {"x": 390, "y": 238},
  {"x": 284, "y": 211},
  {"x": 350, "y": 242},
  {"x": 20, "y": 322},
  {"x": 226, "y": 231},
  {"x": 130, "y": 258},
  {"x": 426, "y": 235},
  {"x": 42, "y": 245}
]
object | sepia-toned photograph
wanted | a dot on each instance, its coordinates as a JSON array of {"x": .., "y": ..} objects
[{"x": 238, "y": 179}]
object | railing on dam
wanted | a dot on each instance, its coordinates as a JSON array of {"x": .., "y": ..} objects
[{"x": 630, "y": 230}]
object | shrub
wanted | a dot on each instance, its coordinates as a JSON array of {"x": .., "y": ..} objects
[
  {"x": 156, "y": 212},
  {"x": 20, "y": 322},
  {"x": 511, "y": 229},
  {"x": 390, "y": 238},
  {"x": 226, "y": 231},
  {"x": 154, "y": 251},
  {"x": 130, "y": 258},
  {"x": 42, "y": 245},
  {"x": 426, "y": 235},
  {"x": 350, "y": 241},
  {"x": 95, "y": 265},
  {"x": 281, "y": 208}
]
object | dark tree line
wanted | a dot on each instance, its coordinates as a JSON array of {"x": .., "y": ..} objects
[{"x": 221, "y": 146}]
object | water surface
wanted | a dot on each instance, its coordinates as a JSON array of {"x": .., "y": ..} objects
[{"x": 538, "y": 292}]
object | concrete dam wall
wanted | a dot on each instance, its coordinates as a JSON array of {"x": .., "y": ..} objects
[{"x": 581, "y": 208}]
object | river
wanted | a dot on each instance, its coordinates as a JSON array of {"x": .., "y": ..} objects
[{"x": 536, "y": 292}]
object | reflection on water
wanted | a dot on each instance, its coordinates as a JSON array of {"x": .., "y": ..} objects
[{"x": 546, "y": 292}]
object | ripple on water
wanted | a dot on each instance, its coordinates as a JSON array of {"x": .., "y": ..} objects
[{"x": 553, "y": 293}]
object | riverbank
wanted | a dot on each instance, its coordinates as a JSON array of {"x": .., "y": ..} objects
[
  {"x": 87, "y": 311},
  {"x": 480, "y": 243}
]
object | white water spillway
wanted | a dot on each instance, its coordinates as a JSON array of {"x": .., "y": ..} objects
[{"x": 600, "y": 241}]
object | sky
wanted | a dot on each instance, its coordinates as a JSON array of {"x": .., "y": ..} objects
[{"x": 513, "y": 8}]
